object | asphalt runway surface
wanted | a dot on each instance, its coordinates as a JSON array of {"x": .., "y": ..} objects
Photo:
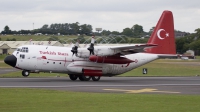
[{"x": 131, "y": 85}]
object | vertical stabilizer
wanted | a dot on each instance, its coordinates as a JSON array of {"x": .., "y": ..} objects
[{"x": 163, "y": 35}]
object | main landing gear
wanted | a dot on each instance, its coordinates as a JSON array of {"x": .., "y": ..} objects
[
  {"x": 84, "y": 78},
  {"x": 25, "y": 73}
]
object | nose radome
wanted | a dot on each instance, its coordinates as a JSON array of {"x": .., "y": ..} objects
[{"x": 11, "y": 60}]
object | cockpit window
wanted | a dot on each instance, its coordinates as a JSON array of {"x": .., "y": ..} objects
[
  {"x": 22, "y": 56},
  {"x": 24, "y": 49}
]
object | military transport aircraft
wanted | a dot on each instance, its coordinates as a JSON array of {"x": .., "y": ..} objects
[{"x": 96, "y": 61}]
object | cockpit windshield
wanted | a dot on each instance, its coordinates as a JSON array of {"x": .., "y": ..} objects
[{"x": 24, "y": 49}]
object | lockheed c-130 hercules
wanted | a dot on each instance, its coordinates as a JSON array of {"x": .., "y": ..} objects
[{"x": 96, "y": 61}]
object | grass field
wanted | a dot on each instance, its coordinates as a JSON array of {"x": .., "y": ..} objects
[
  {"x": 38, "y": 100},
  {"x": 167, "y": 68},
  {"x": 2, "y": 57},
  {"x": 3, "y": 65},
  {"x": 42, "y": 100}
]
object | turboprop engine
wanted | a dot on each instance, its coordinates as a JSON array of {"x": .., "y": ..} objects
[{"x": 98, "y": 51}]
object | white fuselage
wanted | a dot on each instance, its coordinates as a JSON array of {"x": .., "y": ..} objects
[{"x": 41, "y": 58}]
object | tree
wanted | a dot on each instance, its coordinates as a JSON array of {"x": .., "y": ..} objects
[
  {"x": 45, "y": 26},
  {"x": 85, "y": 29},
  {"x": 151, "y": 30},
  {"x": 115, "y": 33},
  {"x": 197, "y": 34},
  {"x": 128, "y": 32},
  {"x": 105, "y": 32},
  {"x": 7, "y": 30},
  {"x": 137, "y": 30}
]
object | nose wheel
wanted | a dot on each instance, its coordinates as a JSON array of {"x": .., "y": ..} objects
[{"x": 25, "y": 73}]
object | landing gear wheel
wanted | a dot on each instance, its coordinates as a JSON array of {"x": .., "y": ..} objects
[
  {"x": 84, "y": 78},
  {"x": 87, "y": 78},
  {"x": 25, "y": 73},
  {"x": 96, "y": 78},
  {"x": 73, "y": 77},
  {"x": 81, "y": 78}
]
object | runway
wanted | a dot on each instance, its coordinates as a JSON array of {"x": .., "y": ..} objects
[{"x": 136, "y": 85}]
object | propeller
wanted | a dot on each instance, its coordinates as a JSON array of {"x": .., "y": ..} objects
[
  {"x": 75, "y": 49},
  {"x": 91, "y": 48}
]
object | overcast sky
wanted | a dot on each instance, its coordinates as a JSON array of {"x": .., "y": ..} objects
[{"x": 113, "y": 15}]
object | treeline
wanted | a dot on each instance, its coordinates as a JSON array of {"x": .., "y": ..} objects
[
  {"x": 189, "y": 42},
  {"x": 66, "y": 29},
  {"x": 75, "y": 28},
  {"x": 186, "y": 41}
]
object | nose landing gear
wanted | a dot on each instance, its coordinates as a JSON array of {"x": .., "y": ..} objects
[{"x": 25, "y": 73}]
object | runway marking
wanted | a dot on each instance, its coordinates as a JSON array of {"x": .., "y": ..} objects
[{"x": 146, "y": 90}]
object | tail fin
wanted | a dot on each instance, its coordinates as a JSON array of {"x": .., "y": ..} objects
[{"x": 163, "y": 35}]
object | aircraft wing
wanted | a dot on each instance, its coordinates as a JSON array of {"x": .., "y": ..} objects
[{"x": 130, "y": 49}]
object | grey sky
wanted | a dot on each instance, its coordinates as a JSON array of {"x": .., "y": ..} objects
[{"x": 113, "y": 15}]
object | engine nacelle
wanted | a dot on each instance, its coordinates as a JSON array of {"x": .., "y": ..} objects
[
  {"x": 105, "y": 51},
  {"x": 75, "y": 68},
  {"x": 110, "y": 59},
  {"x": 99, "y": 51},
  {"x": 85, "y": 68},
  {"x": 87, "y": 72}
]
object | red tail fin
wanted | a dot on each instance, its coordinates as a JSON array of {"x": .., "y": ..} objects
[{"x": 163, "y": 35}]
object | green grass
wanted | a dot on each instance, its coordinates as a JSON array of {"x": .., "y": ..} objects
[
  {"x": 163, "y": 68},
  {"x": 37, "y": 100},
  {"x": 2, "y": 57},
  {"x": 3, "y": 65},
  {"x": 197, "y": 57}
]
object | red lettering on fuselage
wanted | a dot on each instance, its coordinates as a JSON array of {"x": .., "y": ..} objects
[
  {"x": 53, "y": 53},
  {"x": 48, "y": 52},
  {"x": 63, "y": 54}
]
